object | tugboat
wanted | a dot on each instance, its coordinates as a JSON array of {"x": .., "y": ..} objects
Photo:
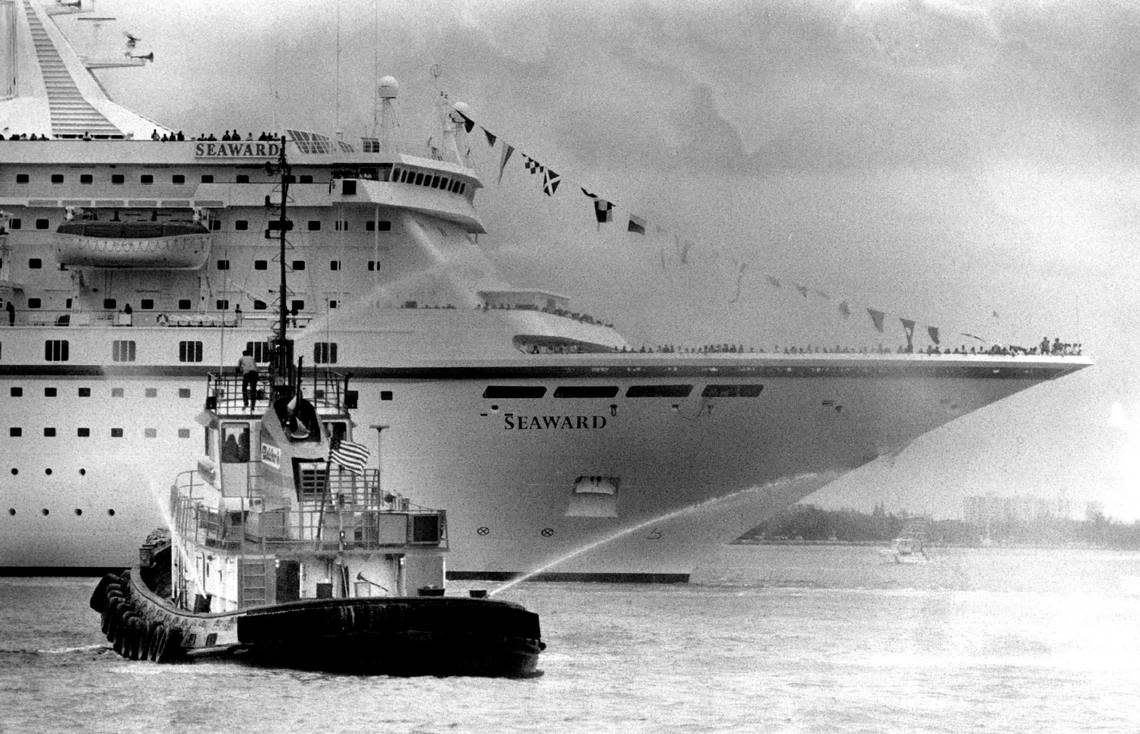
[{"x": 284, "y": 550}]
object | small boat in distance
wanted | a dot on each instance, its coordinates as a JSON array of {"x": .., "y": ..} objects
[
  {"x": 910, "y": 545},
  {"x": 283, "y": 548}
]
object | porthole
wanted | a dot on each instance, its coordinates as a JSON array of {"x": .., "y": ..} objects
[
  {"x": 45, "y": 512},
  {"x": 11, "y": 510},
  {"x": 15, "y": 471},
  {"x": 48, "y": 471},
  {"x": 111, "y": 512},
  {"x": 82, "y": 472},
  {"x": 78, "y": 511}
]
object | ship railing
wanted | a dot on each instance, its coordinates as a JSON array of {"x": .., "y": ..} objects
[
  {"x": 325, "y": 389},
  {"x": 349, "y": 514}
]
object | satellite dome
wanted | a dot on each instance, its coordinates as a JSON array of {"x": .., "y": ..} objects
[
  {"x": 389, "y": 87},
  {"x": 462, "y": 107}
]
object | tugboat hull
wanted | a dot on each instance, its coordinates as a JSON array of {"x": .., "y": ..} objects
[{"x": 369, "y": 636}]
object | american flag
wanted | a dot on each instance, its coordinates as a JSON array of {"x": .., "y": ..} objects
[{"x": 351, "y": 456}]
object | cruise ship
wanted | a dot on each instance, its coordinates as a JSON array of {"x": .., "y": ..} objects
[{"x": 135, "y": 261}]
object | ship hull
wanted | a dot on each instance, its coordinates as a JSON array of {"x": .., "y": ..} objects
[{"x": 683, "y": 474}]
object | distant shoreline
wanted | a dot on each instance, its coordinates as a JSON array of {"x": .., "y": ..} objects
[{"x": 886, "y": 544}]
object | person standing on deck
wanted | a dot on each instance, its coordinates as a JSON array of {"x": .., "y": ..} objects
[{"x": 247, "y": 368}]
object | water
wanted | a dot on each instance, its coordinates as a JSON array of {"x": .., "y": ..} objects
[{"x": 771, "y": 638}]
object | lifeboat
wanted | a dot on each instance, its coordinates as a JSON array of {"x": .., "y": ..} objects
[{"x": 140, "y": 245}]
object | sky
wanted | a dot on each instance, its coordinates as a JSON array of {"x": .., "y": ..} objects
[{"x": 970, "y": 165}]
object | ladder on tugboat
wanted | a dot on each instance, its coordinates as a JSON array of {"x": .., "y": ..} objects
[{"x": 254, "y": 582}]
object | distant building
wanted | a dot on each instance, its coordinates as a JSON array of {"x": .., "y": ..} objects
[{"x": 991, "y": 509}]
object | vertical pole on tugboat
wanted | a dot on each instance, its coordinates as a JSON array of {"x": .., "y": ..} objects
[
  {"x": 281, "y": 358},
  {"x": 379, "y": 457}
]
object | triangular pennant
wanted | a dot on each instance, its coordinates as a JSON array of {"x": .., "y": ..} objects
[
  {"x": 507, "y": 150},
  {"x": 772, "y": 281},
  {"x": 973, "y": 336},
  {"x": 739, "y": 279},
  {"x": 908, "y": 329},
  {"x": 933, "y": 331},
  {"x": 490, "y": 137},
  {"x": 685, "y": 252},
  {"x": 802, "y": 289},
  {"x": 636, "y": 224},
  {"x": 550, "y": 181},
  {"x": 468, "y": 123},
  {"x": 877, "y": 319},
  {"x": 844, "y": 309},
  {"x": 821, "y": 294}
]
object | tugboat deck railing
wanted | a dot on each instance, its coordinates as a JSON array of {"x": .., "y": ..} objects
[
  {"x": 351, "y": 514},
  {"x": 326, "y": 390}
]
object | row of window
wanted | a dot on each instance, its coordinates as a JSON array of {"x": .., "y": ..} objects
[
  {"x": 85, "y": 432},
  {"x": 125, "y": 350},
  {"x": 532, "y": 392},
  {"x": 45, "y": 512},
  {"x": 242, "y": 225},
  {"x": 419, "y": 178},
  {"x": 85, "y": 392},
  {"x": 147, "y": 179}
]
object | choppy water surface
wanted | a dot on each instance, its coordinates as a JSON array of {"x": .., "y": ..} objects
[{"x": 772, "y": 638}]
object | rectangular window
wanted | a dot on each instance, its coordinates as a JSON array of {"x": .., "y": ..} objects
[
  {"x": 82, "y": 432},
  {"x": 585, "y": 391},
  {"x": 15, "y": 431},
  {"x": 16, "y": 392},
  {"x": 15, "y": 223},
  {"x": 333, "y": 303},
  {"x": 658, "y": 391},
  {"x": 259, "y": 350},
  {"x": 324, "y": 353},
  {"x": 50, "y": 392},
  {"x": 86, "y": 178},
  {"x": 57, "y": 178},
  {"x": 150, "y": 432},
  {"x": 84, "y": 392},
  {"x": 56, "y": 350},
  {"x": 306, "y": 178},
  {"x": 241, "y": 225},
  {"x": 151, "y": 392},
  {"x": 22, "y": 178},
  {"x": 49, "y": 432},
  {"x": 189, "y": 351},
  {"x": 514, "y": 391},
  {"x": 116, "y": 392},
  {"x": 297, "y": 306},
  {"x": 110, "y": 303},
  {"x": 207, "y": 178},
  {"x": 184, "y": 433},
  {"x": 34, "y": 303},
  {"x": 235, "y": 443},
  {"x": 183, "y": 392},
  {"x": 42, "y": 224},
  {"x": 373, "y": 265},
  {"x": 334, "y": 264},
  {"x": 118, "y": 179},
  {"x": 340, "y": 224},
  {"x": 223, "y": 265},
  {"x": 116, "y": 433},
  {"x": 731, "y": 391},
  {"x": 146, "y": 179},
  {"x": 178, "y": 179},
  {"x": 383, "y": 225},
  {"x": 222, "y": 304},
  {"x": 35, "y": 263},
  {"x": 259, "y": 305},
  {"x": 261, "y": 265},
  {"x": 242, "y": 178},
  {"x": 147, "y": 304},
  {"x": 183, "y": 304},
  {"x": 314, "y": 225},
  {"x": 298, "y": 264}
]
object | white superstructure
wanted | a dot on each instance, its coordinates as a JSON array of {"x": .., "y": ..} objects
[{"x": 127, "y": 259}]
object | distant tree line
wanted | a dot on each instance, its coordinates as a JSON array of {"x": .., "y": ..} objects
[{"x": 805, "y": 522}]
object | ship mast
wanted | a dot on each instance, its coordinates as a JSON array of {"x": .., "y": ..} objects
[{"x": 281, "y": 361}]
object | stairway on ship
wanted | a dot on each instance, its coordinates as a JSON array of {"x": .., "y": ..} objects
[{"x": 71, "y": 114}]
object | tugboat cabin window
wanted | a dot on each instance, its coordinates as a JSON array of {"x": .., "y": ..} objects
[
  {"x": 336, "y": 430},
  {"x": 310, "y": 479},
  {"x": 260, "y": 351},
  {"x": 324, "y": 353},
  {"x": 235, "y": 443}
]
